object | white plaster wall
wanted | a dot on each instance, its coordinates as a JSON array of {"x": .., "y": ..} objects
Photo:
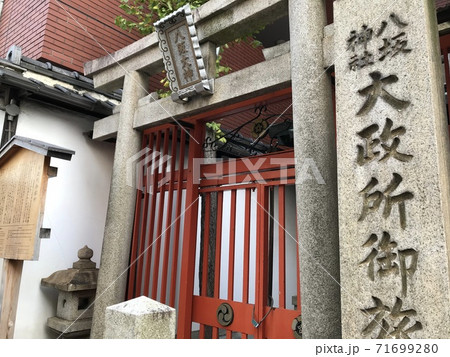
[{"x": 75, "y": 208}]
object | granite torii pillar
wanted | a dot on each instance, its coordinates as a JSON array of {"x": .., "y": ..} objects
[
  {"x": 112, "y": 279},
  {"x": 317, "y": 210}
]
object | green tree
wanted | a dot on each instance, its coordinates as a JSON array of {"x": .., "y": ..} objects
[{"x": 144, "y": 13}]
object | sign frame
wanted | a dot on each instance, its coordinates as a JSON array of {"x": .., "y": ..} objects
[{"x": 183, "y": 60}]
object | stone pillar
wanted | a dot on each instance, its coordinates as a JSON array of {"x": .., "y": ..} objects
[
  {"x": 140, "y": 318},
  {"x": 314, "y": 135},
  {"x": 112, "y": 278},
  {"x": 393, "y": 170}
]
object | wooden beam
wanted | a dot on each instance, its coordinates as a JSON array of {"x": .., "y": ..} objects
[{"x": 12, "y": 274}]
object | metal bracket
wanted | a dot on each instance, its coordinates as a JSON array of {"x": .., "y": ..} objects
[
  {"x": 256, "y": 323},
  {"x": 52, "y": 171},
  {"x": 45, "y": 233}
]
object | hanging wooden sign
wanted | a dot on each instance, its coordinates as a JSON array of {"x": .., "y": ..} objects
[
  {"x": 24, "y": 172},
  {"x": 182, "y": 55},
  {"x": 23, "y": 183}
]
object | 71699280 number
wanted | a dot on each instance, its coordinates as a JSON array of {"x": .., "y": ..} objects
[{"x": 406, "y": 348}]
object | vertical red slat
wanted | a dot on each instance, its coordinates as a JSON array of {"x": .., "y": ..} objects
[
  {"x": 265, "y": 253},
  {"x": 152, "y": 184},
  {"x": 215, "y": 332},
  {"x": 299, "y": 298},
  {"x": 246, "y": 275},
  {"x": 447, "y": 76},
  {"x": 189, "y": 238},
  {"x": 159, "y": 232},
  {"x": 231, "y": 250},
  {"x": 201, "y": 332},
  {"x": 143, "y": 224},
  {"x": 169, "y": 223},
  {"x": 260, "y": 237},
  {"x": 282, "y": 248},
  {"x": 136, "y": 240},
  {"x": 173, "y": 279},
  {"x": 132, "y": 272}
]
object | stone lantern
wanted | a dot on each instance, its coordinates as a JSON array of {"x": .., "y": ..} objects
[{"x": 76, "y": 287}]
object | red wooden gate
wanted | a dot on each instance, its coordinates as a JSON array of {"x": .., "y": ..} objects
[
  {"x": 259, "y": 304},
  {"x": 164, "y": 196},
  {"x": 174, "y": 215},
  {"x": 445, "y": 50}
]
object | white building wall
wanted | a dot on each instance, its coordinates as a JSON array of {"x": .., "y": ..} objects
[{"x": 75, "y": 208}]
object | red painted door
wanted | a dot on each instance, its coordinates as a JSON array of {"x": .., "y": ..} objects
[
  {"x": 445, "y": 50},
  {"x": 246, "y": 262}
]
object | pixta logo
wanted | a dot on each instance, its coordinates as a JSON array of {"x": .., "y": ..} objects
[
  {"x": 146, "y": 169},
  {"x": 254, "y": 170}
]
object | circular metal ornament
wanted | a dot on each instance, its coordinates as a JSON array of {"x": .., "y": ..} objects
[
  {"x": 259, "y": 127},
  {"x": 225, "y": 314},
  {"x": 297, "y": 327}
]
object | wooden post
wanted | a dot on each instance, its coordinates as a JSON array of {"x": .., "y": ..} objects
[{"x": 12, "y": 274}]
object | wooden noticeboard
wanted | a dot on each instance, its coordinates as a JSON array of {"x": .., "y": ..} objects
[
  {"x": 23, "y": 184},
  {"x": 24, "y": 172}
]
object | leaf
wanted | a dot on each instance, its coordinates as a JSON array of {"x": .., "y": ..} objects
[{"x": 145, "y": 12}]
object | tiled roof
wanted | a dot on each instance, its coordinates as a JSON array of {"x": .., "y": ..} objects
[
  {"x": 37, "y": 146},
  {"x": 56, "y": 85}
]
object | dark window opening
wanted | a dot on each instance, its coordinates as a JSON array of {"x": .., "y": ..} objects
[{"x": 83, "y": 303}]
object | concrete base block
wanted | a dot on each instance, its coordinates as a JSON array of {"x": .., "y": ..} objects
[{"x": 140, "y": 318}]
